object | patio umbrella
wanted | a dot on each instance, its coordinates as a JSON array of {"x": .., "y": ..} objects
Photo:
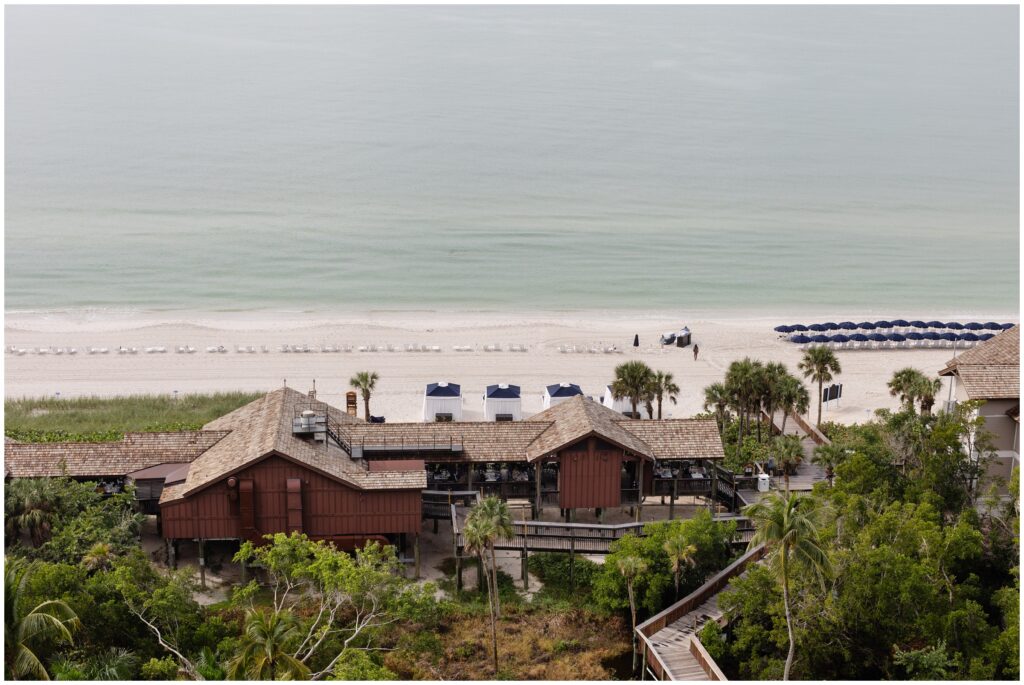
[
  {"x": 839, "y": 338},
  {"x": 897, "y": 337},
  {"x": 830, "y": 325},
  {"x": 783, "y": 329},
  {"x": 867, "y": 326},
  {"x": 883, "y": 324},
  {"x": 993, "y": 326},
  {"x": 919, "y": 324},
  {"x": 859, "y": 337},
  {"x": 930, "y": 335},
  {"x": 974, "y": 326},
  {"x": 798, "y": 328},
  {"x": 986, "y": 336},
  {"x": 636, "y": 340},
  {"x": 954, "y": 326},
  {"x": 948, "y": 336},
  {"x": 847, "y": 326},
  {"x": 900, "y": 322},
  {"x": 819, "y": 338},
  {"x": 914, "y": 335},
  {"x": 969, "y": 337},
  {"x": 1007, "y": 326},
  {"x": 877, "y": 337},
  {"x": 800, "y": 339},
  {"x": 936, "y": 324},
  {"x": 818, "y": 327}
]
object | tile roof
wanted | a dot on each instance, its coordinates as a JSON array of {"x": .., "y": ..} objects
[
  {"x": 85, "y": 460},
  {"x": 990, "y": 370}
]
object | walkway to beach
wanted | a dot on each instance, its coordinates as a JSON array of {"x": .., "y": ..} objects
[{"x": 807, "y": 473}]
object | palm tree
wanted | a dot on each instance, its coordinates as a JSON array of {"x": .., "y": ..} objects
[
  {"x": 905, "y": 384},
  {"x": 477, "y": 531},
  {"x": 820, "y": 365},
  {"x": 117, "y": 663},
  {"x": 631, "y": 567},
  {"x": 99, "y": 556},
  {"x": 927, "y": 389},
  {"x": 365, "y": 382},
  {"x": 775, "y": 375},
  {"x": 662, "y": 386},
  {"x": 716, "y": 395},
  {"x": 828, "y": 457},
  {"x": 31, "y": 508},
  {"x": 791, "y": 537},
  {"x": 51, "y": 619},
  {"x": 633, "y": 381},
  {"x": 680, "y": 553},
  {"x": 793, "y": 397},
  {"x": 263, "y": 648},
  {"x": 788, "y": 454},
  {"x": 496, "y": 513}
]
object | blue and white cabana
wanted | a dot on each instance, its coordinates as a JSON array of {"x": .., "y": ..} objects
[
  {"x": 502, "y": 402},
  {"x": 621, "y": 405},
  {"x": 560, "y": 392},
  {"x": 442, "y": 402}
]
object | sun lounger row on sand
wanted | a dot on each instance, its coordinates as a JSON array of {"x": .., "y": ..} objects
[
  {"x": 253, "y": 349},
  {"x": 591, "y": 349}
]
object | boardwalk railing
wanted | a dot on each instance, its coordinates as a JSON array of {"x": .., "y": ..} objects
[
  {"x": 705, "y": 660},
  {"x": 576, "y": 538},
  {"x": 716, "y": 584}
]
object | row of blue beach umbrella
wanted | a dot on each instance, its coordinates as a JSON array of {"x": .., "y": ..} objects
[
  {"x": 892, "y": 340},
  {"x": 892, "y": 325}
]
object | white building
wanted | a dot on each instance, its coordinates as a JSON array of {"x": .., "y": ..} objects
[
  {"x": 503, "y": 402},
  {"x": 560, "y": 392},
  {"x": 442, "y": 402}
]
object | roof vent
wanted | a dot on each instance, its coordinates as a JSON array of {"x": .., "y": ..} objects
[
  {"x": 442, "y": 384},
  {"x": 503, "y": 386},
  {"x": 564, "y": 385}
]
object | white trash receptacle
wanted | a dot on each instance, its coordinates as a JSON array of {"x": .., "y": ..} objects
[{"x": 763, "y": 481}]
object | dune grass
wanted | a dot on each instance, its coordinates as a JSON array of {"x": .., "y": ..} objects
[{"x": 96, "y": 419}]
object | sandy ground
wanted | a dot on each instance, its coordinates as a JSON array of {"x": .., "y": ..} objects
[{"x": 403, "y": 374}]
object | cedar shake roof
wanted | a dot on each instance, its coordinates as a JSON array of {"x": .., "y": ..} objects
[
  {"x": 264, "y": 427},
  {"x": 481, "y": 441},
  {"x": 679, "y": 438},
  {"x": 990, "y": 370},
  {"x": 135, "y": 452},
  {"x": 577, "y": 418}
]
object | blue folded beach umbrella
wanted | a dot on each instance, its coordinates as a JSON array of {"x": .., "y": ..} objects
[
  {"x": 1007, "y": 326},
  {"x": 954, "y": 326},
  {"x": 883, "y": 324},
  {"x": 800, "y": 339},
  {"x": 936, "y": 324},
  {"x": 798, "y": 328},
  {"x": 986, "y": 336},
  {"x": 830, "y": 325},
  {"x": 819, "y": 327},
  {"x": 877, "y": 337},
  {"x": 947, "y": 336},
  {"x": 783, "y": 329},
  {"x": 900, "y": 322},
  {"x": 930, "y": 335},
  {"x": 914, "y": 335},
  {"x": 847, "y": 326},
  {"x": 859, "y": 337},
  {"x": 839, "y": 338},
  {"x": 992, "y": 326},
  {"x": 867, "y": 326},
  {"x": 919, "y": 324},
  {"x": 819, "y": 339},
  {"x": 897, "y": 337},
  {"x": 969, "y": 337},
  {"x": 974, "y": 326}
]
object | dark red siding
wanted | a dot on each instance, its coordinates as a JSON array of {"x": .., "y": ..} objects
[
  {"x": 327, "y": 508},
  {"x": 590, "y": 475}
]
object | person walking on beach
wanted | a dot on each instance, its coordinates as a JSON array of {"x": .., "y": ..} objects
[{"x": 696, "y": 351}]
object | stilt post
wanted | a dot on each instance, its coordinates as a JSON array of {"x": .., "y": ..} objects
[{"x": 202, "y": 563}]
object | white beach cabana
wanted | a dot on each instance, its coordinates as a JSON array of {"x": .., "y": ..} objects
[
  {"x": 560, "y": 392},
  {"x": 621, "y": 405},
  {"x": 502, "y": 402},
  {"x": 442, "y": 401}
]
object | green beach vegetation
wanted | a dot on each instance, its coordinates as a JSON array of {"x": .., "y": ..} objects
[{"x": 103, "y": 419}]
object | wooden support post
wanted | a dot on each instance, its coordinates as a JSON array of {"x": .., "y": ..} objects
[
  {"x": 538, "y": 504},
  {"x": 416, "y": 553},
  {"x": 202, "y": 564},
  {"x": 458, "y": 573},
  {"x": 640, "y": 488},
  {"x": 572, "y": 555},
  {"x": 172, "y": 555},
  {"x": 672, "y": 502},
  {"x": 435, "y": 525}
]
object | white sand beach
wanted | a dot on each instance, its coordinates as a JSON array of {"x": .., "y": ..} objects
[{"x": 404, "y": 374}]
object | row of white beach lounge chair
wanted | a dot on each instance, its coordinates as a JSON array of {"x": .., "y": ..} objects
[
  {"x": 892, "y": 345},
  {"x": 592, "y": 349},
  {"x": 253, "y": 349}
]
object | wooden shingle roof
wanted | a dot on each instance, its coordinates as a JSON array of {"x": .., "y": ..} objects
[
  {"x": 578, "y": 417},
  {"x": 679, "y": 438},
  {"x": 992, "y": 369},
  {"x": 106, "y": 459}
]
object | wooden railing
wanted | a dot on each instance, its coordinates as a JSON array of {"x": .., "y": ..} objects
[
  {"x": 704, "y": 659},
  {"x": 575, "y": 538},
  {"x": 812, "y": 431}
]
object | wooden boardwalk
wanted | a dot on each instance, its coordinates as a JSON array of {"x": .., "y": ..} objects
[{"x": 673, "y": 641}]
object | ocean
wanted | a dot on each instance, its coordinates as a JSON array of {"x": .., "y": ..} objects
[{"x": 649, "y": 158}]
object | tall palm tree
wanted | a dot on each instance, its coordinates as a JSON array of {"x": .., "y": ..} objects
[
  {"x": 793, "y": 397},
  {"x": 716, "y": 395},
  {"x": 742, "y": 380},
  {"x": 775, "y": 374},
  {"x": 632, "y": 381},
  {"x": 263, "y": 648},
  {"x": 680, "y": 553},
  {"x": 828, "y": 457},
  {"x": 789, "y": 452},
  {"x": 927, "y": 389},
  {"x": 51, "y": 619},
  {"x": 663, "y": 386},
  {"x": 477, "y": 533},
  {"x": 784, "y": 526},
  {"x": 905, "y": 384},
  {"x": 821, "y": 365},
  {"x": 32, "y": 508},
  {"x": 631, "y": 567},
  {"x": 365, "y": 382},
  {"x": 496, "y": 513}
]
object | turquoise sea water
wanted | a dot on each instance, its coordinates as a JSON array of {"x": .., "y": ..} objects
[{"x": 719, "y": 158}]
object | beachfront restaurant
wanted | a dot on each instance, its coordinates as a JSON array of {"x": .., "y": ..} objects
[{"x": 442, "y": 402}]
